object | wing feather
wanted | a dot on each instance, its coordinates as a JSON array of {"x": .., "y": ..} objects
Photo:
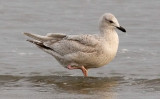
[{"x": 74, "y": 43}]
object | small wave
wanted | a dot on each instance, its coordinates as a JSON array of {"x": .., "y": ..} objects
[
  {"x": 148, "y": 84},
  {"x": 123, "y": 51},
  {"x": 58, "y": 78},
  {"x": 23, "y": 54},
  {"x": 79, "y": 83},
  {"x": 69, "y": 84}
]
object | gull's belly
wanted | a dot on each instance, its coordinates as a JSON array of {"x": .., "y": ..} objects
[
  {"x": 89, "y": 60},
  {"x": 100, "y": 61}
]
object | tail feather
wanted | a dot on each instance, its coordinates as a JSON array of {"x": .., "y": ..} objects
[
  {"x": 34, "y": 41},
  {"x": 39, "y": 44},
  {"x": 38, "y": 37}
]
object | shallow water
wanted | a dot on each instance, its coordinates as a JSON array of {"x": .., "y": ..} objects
[{"x": 27, "y": 72}]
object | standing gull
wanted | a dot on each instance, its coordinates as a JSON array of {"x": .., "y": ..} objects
[{"x": 83, "y": 51}]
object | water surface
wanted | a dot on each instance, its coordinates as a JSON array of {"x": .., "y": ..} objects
[{"x": 27, "y": 72}]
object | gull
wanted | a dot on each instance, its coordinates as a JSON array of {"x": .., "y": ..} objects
[{"x": 83, "y": 51}]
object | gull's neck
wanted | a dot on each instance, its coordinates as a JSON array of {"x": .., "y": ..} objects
[{"x": 111, "y": 36}]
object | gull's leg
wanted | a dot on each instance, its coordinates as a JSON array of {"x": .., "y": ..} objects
[
  {"x": 72, "y": 67},
  {"x": 84, "y": 70}
]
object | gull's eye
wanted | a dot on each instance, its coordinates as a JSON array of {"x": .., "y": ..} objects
[{"x": 111, "y": 21}]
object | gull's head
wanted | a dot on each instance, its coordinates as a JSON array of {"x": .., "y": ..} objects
[{"x": 108, "y": 21}]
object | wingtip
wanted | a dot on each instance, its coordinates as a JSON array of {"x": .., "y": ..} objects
[
  {"x": 31, "y": 41},
  {"x": 28, "y": 40},
  {"x": 25, "y": 33}
]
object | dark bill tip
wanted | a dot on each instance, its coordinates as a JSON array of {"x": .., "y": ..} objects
[{"x": 121, "y": 28}]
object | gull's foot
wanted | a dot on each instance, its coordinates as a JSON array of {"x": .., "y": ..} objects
[
  {"x": 72, "y": 67},
  {"x": 84, "y": 70}
]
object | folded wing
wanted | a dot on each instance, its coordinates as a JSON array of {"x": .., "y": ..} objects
[{"x": 64, "y": 44}]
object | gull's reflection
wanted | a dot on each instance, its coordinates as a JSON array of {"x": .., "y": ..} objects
[{"x": 79, "y": 85}]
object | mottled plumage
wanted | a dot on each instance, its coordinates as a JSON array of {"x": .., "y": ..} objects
[{"x": 89, "y": 51}]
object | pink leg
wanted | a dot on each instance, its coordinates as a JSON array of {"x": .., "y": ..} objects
[
  {"x": 84, "y": 70},
  {"x": 71, "y": 67}
]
